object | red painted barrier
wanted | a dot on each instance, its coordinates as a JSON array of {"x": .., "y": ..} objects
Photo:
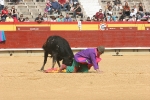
[{"x": 35, "y": 39}]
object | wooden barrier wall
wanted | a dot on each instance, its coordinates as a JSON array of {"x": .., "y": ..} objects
[
  {"x": 71, "y": 26},
  {"x": 35, "y": 39}
]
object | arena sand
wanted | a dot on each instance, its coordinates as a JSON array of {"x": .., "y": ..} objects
[{"x": 123, "y": 78}]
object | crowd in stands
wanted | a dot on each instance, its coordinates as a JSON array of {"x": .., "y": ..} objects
[
  {"x": 53, "y": 12},
  {"x": 127, "y": 13}
]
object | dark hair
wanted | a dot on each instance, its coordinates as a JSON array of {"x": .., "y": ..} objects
[
  {"x": 61, "y": 15},
  {"x": 9, "y": 14},
  {"x": 21, "y": 15},
  {"x": 77, "y": 3},
  {"x": 14, "y": 15}
]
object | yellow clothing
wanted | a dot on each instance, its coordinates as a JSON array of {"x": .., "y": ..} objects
[{"x": 9, "y": 19}]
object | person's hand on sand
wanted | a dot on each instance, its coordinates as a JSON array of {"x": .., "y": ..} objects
[{"x": 99, "y": 71}]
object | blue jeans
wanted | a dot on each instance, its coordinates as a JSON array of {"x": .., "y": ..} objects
[
  {"x": 66, "y": 6},
  {"x": 1, "y": 7}
]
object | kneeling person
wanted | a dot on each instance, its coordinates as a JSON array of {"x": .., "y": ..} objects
[{"x": 84, "y": 60}]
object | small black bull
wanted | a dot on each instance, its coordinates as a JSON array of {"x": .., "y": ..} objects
[{"x": 59, "y": 49}]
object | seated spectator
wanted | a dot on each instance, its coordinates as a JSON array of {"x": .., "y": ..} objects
[
  {"x": 138, "y": 20},
  {"x": 67, "y": 18},
  {"x": 39, "y": 19},
  {"x": 111, "y": 17},
  {"x": 99, "y": 15},
  {"x": 126, "y": 9},
  {"x": 45, "y": 17},
  {"x": 15, "y": 18},
  {"x": 146, "y": 15},
  {"x": 88, "y": 19},
  {"x": 4, "y": 13},
  {"x": 1, "y": 20},
  {"x": 108, "y": 17},
  {"x": 109, "y": 10},
  {"x": 116, "y": 2},
  {"x": 126, "y": 18},
  {"x": 93, "y": 18},
  {"x": 135, "y": 9},
  {"x": 55, "y": 8},
  {"x": 73, "y": 2},
  {"x": 53, "y": 19},
  {"x": 141, "y": 10},
  {"x": 48, "y": 6},
  {"x": 9, "y": 18},
  {"x": 108, "y": 4},
  {"x": 138, "y": 16},
  {"x": 118, "y": 5},
  {"x": 132, "y": 13},
  {"x": 21, "y": 19},
  {"x": 26, "y": 19},
  {"x": 122, "y": 17},
  {"x": 60, "y": 18},
  {"x": 61, "y": 3},
  {"x": 77, "y": 11},
  {"x": 132, "y": 18},
  {"x": 1, "y": 5},
  {"x": 65, "y": 5},
  {"x": 13, "y": 11}
]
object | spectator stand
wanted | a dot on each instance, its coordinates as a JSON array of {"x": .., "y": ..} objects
[{"x": 31, "y": 8}]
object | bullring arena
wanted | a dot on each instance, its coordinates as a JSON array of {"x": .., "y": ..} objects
[
  {"x": 124, "y": 77},
  {"x": 125, "y": 63}
]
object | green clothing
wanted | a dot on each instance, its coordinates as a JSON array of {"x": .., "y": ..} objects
[
  {"x": 75, "y": 65},
  {"x": 60, "y": 19}
]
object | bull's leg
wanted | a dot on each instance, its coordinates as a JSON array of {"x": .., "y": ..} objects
[
  {"x": 45, "y": 59},
  {"x": 54, "y": 60},
  {"x": 58, "y": 62}
]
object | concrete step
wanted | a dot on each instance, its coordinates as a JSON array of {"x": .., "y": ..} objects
[
  {"x": 23, "y": 9},
  {"x": 42, "y": 6},
  {"x": 9, "y": 3},
  {"x": 35, "y": 13},
  {"x": 28, "y": 0},
  {"x": 32, "y": 19},
  {"x": 29, "y": 16},
  {"x": 26, "y": 12},
  {"x": 22, "y": 6},
  {"x": 34, "y": 9},
  {"x": 30, "y": 3},
  {"x": 32, "y": 6},
  {"x": 41, "y": 3}
]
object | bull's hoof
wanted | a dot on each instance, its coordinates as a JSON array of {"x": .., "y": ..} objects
[{"x": 41, "y": 70}]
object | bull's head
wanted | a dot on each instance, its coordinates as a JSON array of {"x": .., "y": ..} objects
[{"x": 67, "y": 61}]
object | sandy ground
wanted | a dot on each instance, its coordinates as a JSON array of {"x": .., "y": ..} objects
[{"x": 123, "y": 78}]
